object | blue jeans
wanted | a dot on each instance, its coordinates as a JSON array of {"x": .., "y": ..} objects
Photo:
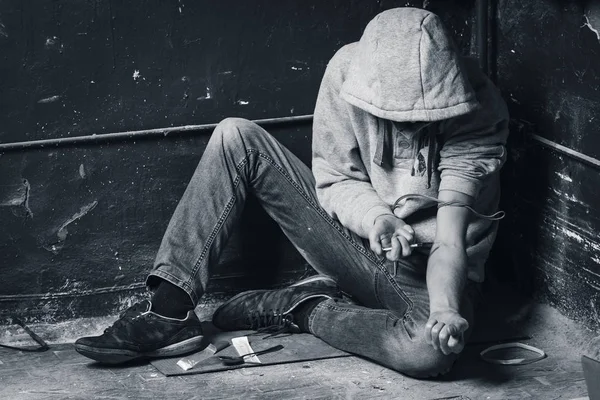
[{"x": 387, "y": 323}]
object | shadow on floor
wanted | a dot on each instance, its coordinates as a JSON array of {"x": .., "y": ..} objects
[{"x": 61, "y": 373}]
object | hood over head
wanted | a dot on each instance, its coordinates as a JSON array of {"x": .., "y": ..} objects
[{"x": 406, "y": 69}]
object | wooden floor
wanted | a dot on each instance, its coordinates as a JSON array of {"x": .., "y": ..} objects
[{"x": 61, "y": 373}]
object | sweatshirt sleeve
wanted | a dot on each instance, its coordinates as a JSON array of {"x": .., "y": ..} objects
[
  {"x": 474, "y": 144},
  {"x": 343, "y": 185}
]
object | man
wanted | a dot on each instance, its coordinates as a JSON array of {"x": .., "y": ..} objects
[{"x": 408, "y": 140}]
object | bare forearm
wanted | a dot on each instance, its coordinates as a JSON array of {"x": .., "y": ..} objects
[
  {"x": 447, "y": 274},
  {"x": 446, "y": 277},
  {"x": 447, "y": 266}
]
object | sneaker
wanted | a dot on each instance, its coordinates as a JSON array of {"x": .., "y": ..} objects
[
  {"x": 271, "y": 310},
  {"x": 141, "y": 333}
]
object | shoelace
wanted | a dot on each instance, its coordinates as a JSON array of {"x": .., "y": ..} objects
[
  {"x": 124, "y": 318},
  {"x": 272, "y": 321},
  {"x": 115, "y": 326}
]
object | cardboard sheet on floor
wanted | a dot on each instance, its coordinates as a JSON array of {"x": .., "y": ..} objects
[
  {"x": 297, "y": 348},
  {"x": 591, "y": 372}
]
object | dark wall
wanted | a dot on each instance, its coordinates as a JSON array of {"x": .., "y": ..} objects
[
  {"x": 549, "y": 72},
  {"x": 81, "y": 223}
]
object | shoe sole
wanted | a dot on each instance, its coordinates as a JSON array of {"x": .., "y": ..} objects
[
  {"x": 316, "y": 278},
  {"x": 119, "y": 356}
]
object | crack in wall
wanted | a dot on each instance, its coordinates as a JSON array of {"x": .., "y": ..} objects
[
  {"x": 63, "y": 232},
  {"x": 591, "y": 14},
  {"x": 26, "y": 200},
  {"x": 18, "y": 199}
]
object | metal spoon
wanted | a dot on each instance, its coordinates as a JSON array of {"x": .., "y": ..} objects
[{"x": 229, "y": 360}]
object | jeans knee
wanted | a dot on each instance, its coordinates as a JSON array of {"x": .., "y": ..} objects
[
  {"x": 231, "y": 130},
  {"x": 428, "y": 362},
  {"x": 419, "y": 359}
]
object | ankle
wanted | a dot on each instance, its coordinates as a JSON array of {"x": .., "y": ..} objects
[
  {"x": 171, "y": 301},
  {"x": 303, "y": 313}
]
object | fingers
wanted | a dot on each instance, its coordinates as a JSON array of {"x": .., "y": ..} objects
[
  {"x": 400, "y": 247},
  {"x": 446, "y": 338},
  {"x": 407, "y": 232},
  {"x": 439, "y": 335},
  {"x": 430, "y": 324},
  {"x": 405, "y": 235},
  {"x": 444, "y": 335},
  {"x": 406, "y": 249},
  {"x": 400, "y": 243},
  {"x": 375, "y": 243},
  {"x": 393, "y": 235},
  {"x": 435, "y": 335},
  {"x": 456, "y": 344},
  {"x": 456, "y": 341}
]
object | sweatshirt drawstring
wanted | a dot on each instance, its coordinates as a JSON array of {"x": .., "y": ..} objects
[
  {"x": 433, "y": 153},
  {"x": 384, "y": 151},
  {"x": 431, "y": 139}
]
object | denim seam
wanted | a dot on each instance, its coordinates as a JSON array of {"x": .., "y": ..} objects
[
  {"x": 369, "y": 311},
  {"x": 218, "y": 225},
  {"x": 316, "y": 207},
  {"x": 313, "y": 315},
  {"x": 380, "y": 266},
  {"x": 397, "y": 289},
  {"x": 161, "y": 273}
]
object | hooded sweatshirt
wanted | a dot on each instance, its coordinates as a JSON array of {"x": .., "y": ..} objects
[{"x": 400, "y": 112}]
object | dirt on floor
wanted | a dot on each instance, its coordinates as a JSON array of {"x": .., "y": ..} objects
[{"x": 61, "y": 373}]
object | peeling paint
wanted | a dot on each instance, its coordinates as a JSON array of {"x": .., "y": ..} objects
[
  {"x": 594, "y": 309},
  {"x": 82, "y": 173},
  {"x": 65, "y": 286},
  {"x": 571, "y": 234},
  {"x": 51, "y": 41},
  {"x": 591, "y": 272},
  {"x": 589, "y": 25},
  {"x": 18, "y": 199},
  {"x": 63, "y": 231},
  {"x": 588, "y": 244},
  {"x": 207, "y": 96},
  {"x": 243, "y": 102},
  {"x": 50, "y": 99},
  {"x": 3, "y": 30},
  {"x": 596, "y": 260},
  {"x": 137, "y": 75},
  {"x": 564, "y": 177},
  {"x": 569, "y": 197},
  {"x": 26, "y": 201},
  {"x": 574, "y": 199}
]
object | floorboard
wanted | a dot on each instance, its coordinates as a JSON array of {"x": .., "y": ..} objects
[{"x": 61, "y": 373}]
